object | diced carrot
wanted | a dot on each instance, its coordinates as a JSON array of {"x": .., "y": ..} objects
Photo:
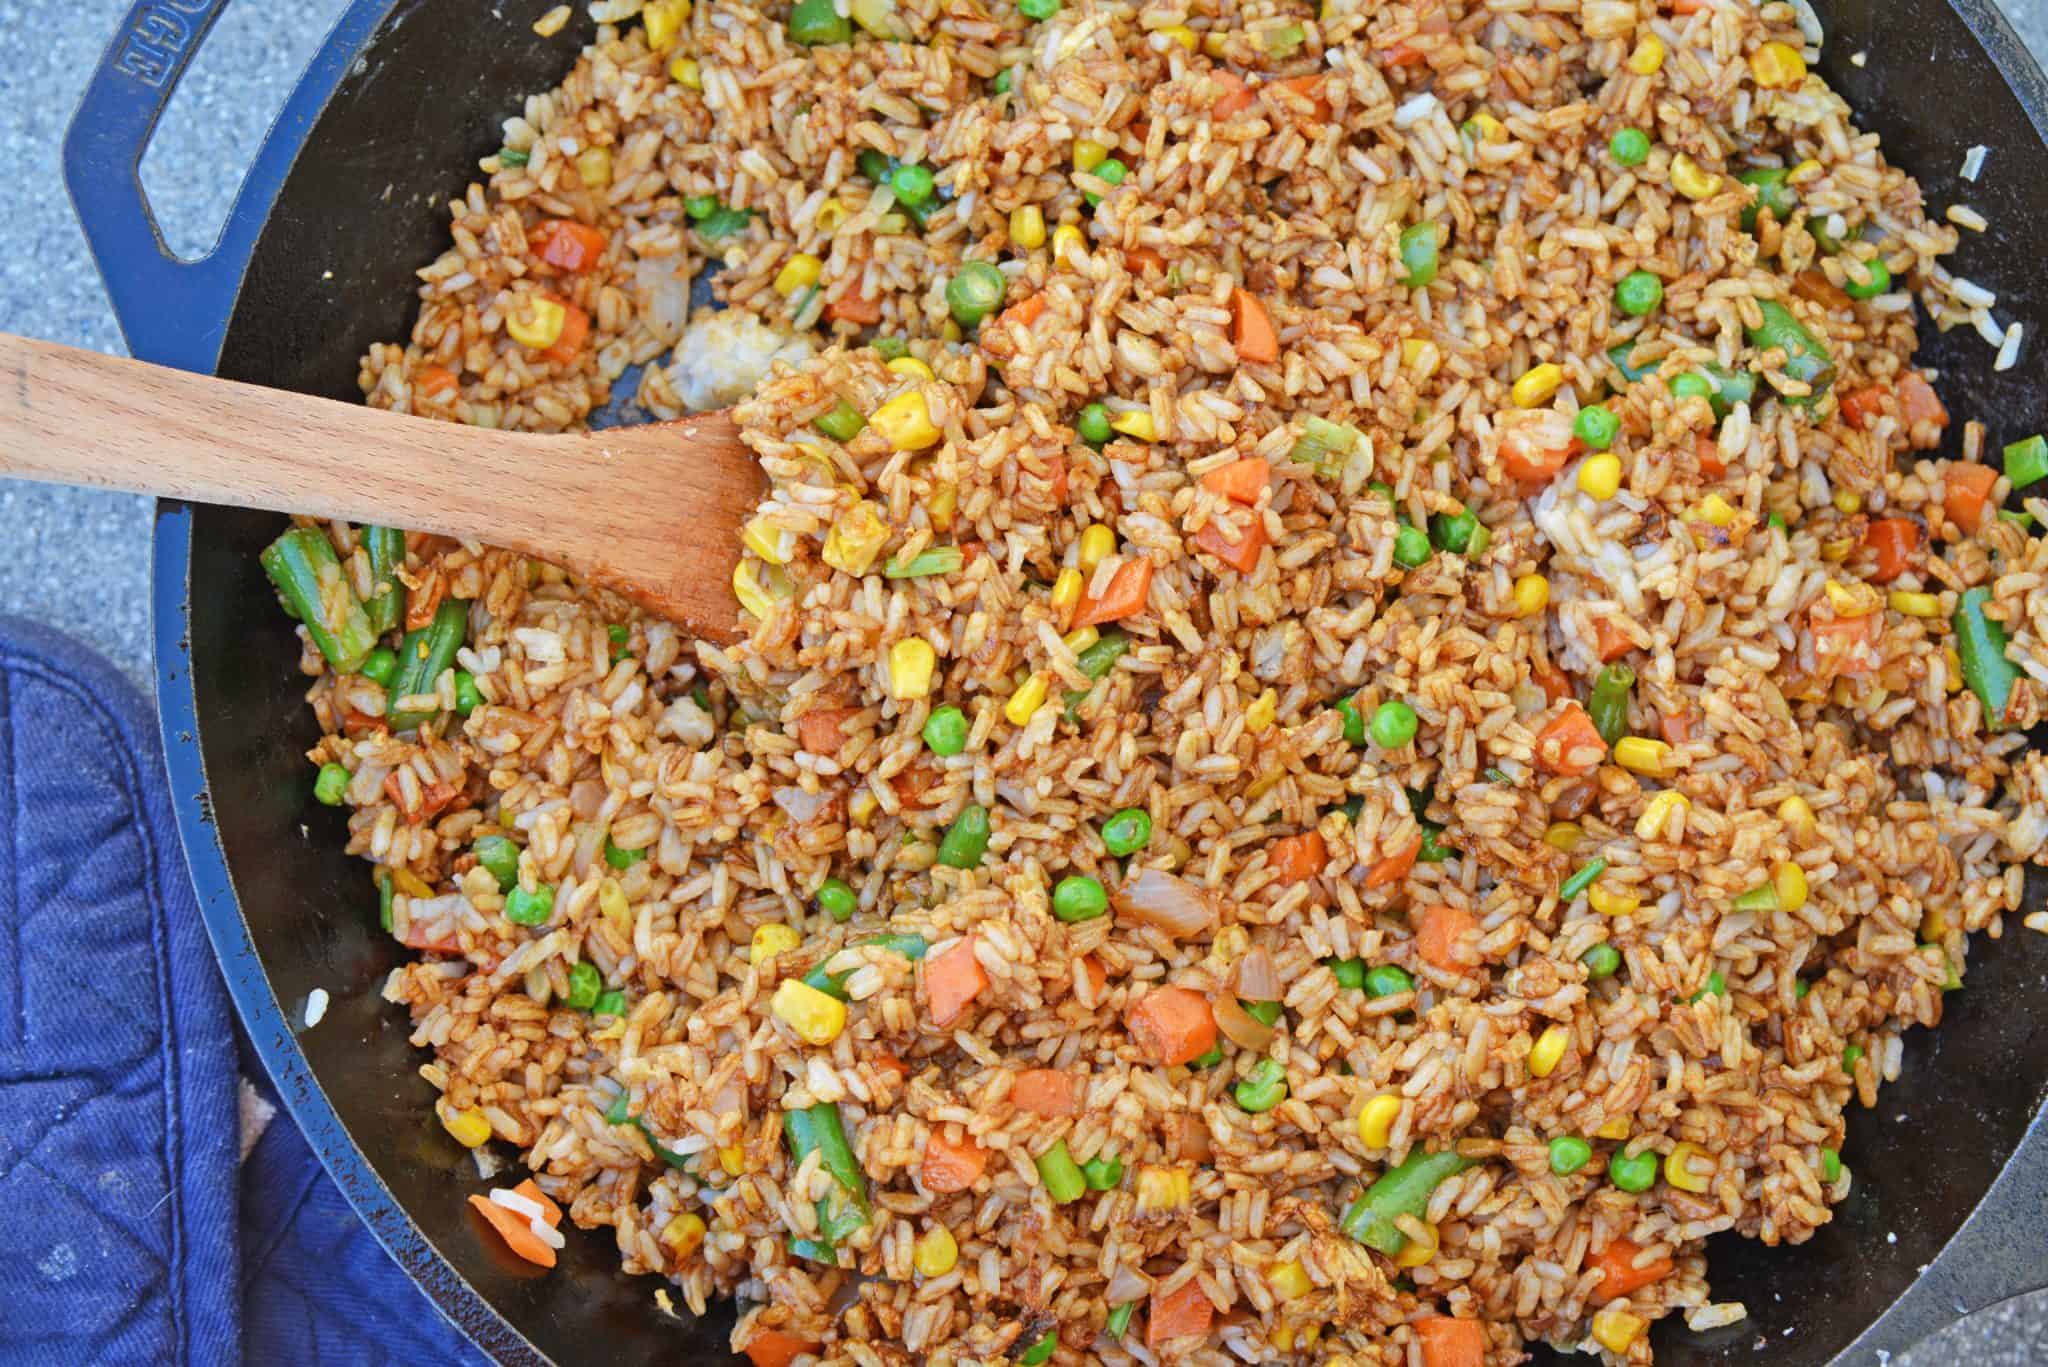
[
  {"x": 819, "y": 730},
  {"x": 1969, "y": 493},
  {"x": 1400, "y": 54},
  {"x": 434, "y": 799},
  {"x": 1181, "y": 1314},
  {"x": 1023, "y": 313},
  {"x": 773, "y": 1348},
  {"x": 515, "y": 1229},
  {"x": 854, "y": 308},
  {"x": 435, "y": 380},
  {"x": 1847, "y": 645},
  {"x": 951, "y": 1165},
  {"x": 1251, "y": 329},
  {"x": 909, "y": 785},
  {"x": 1098, "y": 976},
  {"x": 1241, "y": 481},
  {"x": 1556, "y": 685},
  {"x": 1893, "y": 540},
  {"x": 952, "y": 980},
  {"x": 575, "y": 330},
  {"x": 1687, "y": 6},
  {"x": 1242, "y": 554},
  {"x": 1570, "y": 744},
  {"x": 1047, "y": 1092},
  {"x": 889, "y": 1063},
  {"x": 354, "y": 723},
  {"x": 1862, "y": 407},
  {"x": 1128, "y": 588},
  {"x": 415, "y": 937},
  {"x": 1448, "y": 1342},
  {"x": 1056, "y": 476},
  {"x": 1394, "y": 867},
  {"x": 1236, "y": 97},
  {"x": 1526, "y": 462},
  {"x": 1297, "y": 858},
  {"x": 1707, "y": 452},
  {"x": 1440, "y": 932},
  {"x": 1618, "y": 1273},
  {"x": 1816, "y": 288},
  {"x": 1172, "y": 1025},
  {"x": 1610, "y": 640},
  {"x": 1309, "y": 88},
  {"x": 566, "y": 244},
  {"x": 1676, "y": 727},
  {"x": 1920, "y": 403},
  {"x": 1144, "y": 259}
]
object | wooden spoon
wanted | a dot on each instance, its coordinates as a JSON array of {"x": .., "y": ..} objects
[{"x": 652, "y": 513}]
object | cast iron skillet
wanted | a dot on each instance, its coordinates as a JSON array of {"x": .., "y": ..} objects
[{"x": 346, "y": 199}]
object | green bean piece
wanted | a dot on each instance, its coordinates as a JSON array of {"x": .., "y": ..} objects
[
  {"x": 1209, "y": 1058},
  {"x": 1265, "y": 1013},
  {"x": 1805, "y": 358},
  {"x": 1569, "y": 1153},
  {"x": 1349, "y": 973},
  {"x": 1418, "y": 254},
  {"x": 835, "y": 897},
  {"x": 911, "y": 946},
  {"x": 945, "y": 731},
  {"x": 966, "y": 839},
  {"x": 1849, "y": 1057},
  {"x": 1041, "y": 1351},
  {"x": 468, "y": 697},
  {"x": 1105, "y": 1172},
  {"x": 384, "y": 895},
  {"x": 1119, "y": 1321},
  {"x": 1637, "y": 1173},
  {"x": 1079, "y": 898},
  {"x": 842, "y": 424},
  {"x": 1453, "y": 531},
  {"x": 1433, "y": 850},
  {"x": 525, "y": 907},
  {"x": 611, "y": 1002},
  {"x": 874, "y": 164},
  {"x": 512, "y": 156},
  {"x": 585, "y": 985},
  {"x": 1601, "y": 961},
  {"x": 1402, "y": 1190},
  {"x": 937, "y": 560},
  {"x": 385, "y": 606},
  {"x": 1264, "y": 1089},
  {"x": 1582, "y": 880},
  {"x": 1830, "y": 1166},
  {"x": 1726, "y": 388},
  {"x": 2026, "y": 461},
  {"x": 1098, "y": 659},
  {"x": 500, "y": 858},
  {"x": 817, "y": 22},
  {"x": 817, "y": 1129},
  {"x": 330, "y": 785},
  {"x": 1773, "y": 191},
  {"x": 1387, "y": 980},
  {"x": 423, "y": 656},
  {"x": 1062, "y": 1176},
  {"x": 1981, "y": 643},
  {"x": 1623, "y": 358},
  {"x": 1608, "y": 706},
  {"x": 1127, "y": 831},
  {"x": 308, "y": 575}
]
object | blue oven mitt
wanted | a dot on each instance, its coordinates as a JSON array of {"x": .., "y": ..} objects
[{"x": 131, "y": 1228}]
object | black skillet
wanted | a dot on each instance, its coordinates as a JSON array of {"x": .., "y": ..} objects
[{"x": 346, "y": 199}]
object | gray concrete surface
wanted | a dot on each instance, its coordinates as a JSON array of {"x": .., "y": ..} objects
[{"x": 80, "y": 560}]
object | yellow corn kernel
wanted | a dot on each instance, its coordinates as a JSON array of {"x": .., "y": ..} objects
[
  {"x": 684, "y": 1235},
  {"x": 1915, "y": 604},
  {"x": 733, "y": 1158},
  {"x": 1066, "y": 591},
  {"x": 1790, "y": 881},
  {"x": 1692, "y": 180},
  {"x": 1376, "y": 1120},
  {"x": 1420, "y": 1248},
  {"x": 1163, "y": 1189},
  {"x": 1642, "y": 755},
  {"x": 1182, "y": 34},
  {"x": 468, "y": 1128},
  {"x": 1648, "y": 56},
  {"x": 1259, "y": 716},
  {"x": 1289, "y": 1280},
  {"x": 1532, "y": 595},
  {"x": 1777, "y": 66},
  {"x": 905, "y": 422},
  {"x": 832, "y": 213},
  {"x": 410, "y": 883},
  {"x": 1678, "y": 1168},
  {"x": 1490, "y": 129},
  {"x": 1136, "y": 424},
  {"x": 685, "y": 72},
  {"x": 747, "y": 588},
  {"x": 945, "y": 499},
  {"x": 1098, "y": 542},
  {"x": 1564, "y": 836},
  {"x": 910, "y": 668},
  {"x": 1848, "y": 502},
  {"x": 1089, "y": 154},
  {"x": 612, "y": 904},
  {"x": 664, "y": 21},
  {"x": 1853, "y": 600},
  {"x": 1263, "y": 784},
  {"x": 1027, "y": 227},
  {"x": 1954, "y": 679},
  {"x": 1078, "y": 641},
  {"x": 1215, "y": 43},
  {"x": 1600, "y": 476},
  {"x": 1716, "y": 511},
  {"x": 539, "y": 326},
  {"x": 1537, "y": 385},
  {"x": 1797, "y": 815},
  {"x": 1420, "y": 357},
  {"x": 816, "y": 1017},
  {"x": 1933, "y": 926},
  {"x": 1611, "y": 901},
  {"x": 856, "y": 538},
  {"x": 1286, "y": 1338},
  {"x": 1067, "y": 238},
  {"x": 771, "y": 940},
  {"x": 862, "y": 806},
  {"x": 1028, "y": 698},
  {"x": 1657, "y": 813},
  {"x": 800, "y": 272},
  {"x": 910, "y": 365},
  {"x": 951, "y": 331},
  {"x": 936, "y": 1252},
  {"x": 776, "y": 545},
  {"x": 1616, "y": 1128},
  {"x": 1548, "y": 1050},
  {"x": 594, "y": 167},
  {"x": 1615, "y": 1330}
]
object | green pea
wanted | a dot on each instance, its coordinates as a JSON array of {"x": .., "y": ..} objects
[
  {"x": 1411, "y": 547},
  {"x": 1596, "y": 426},
  {"x": 1849, "y": 1057},
  {"x": 529, "y": 908},
  {"x": 1265, "y": 1013},
  {"x": 330, "y": 785},
  {"x": 1264, "y": 1089},
  {"x": 815, "y": 22},
  {"x": 1418, "y": 254},
  {"x": 966, "y": 839},
  {"x": 585, "y": 983},
  {"x": 1638, "y": 293},
  {"x": 1005, "y": 79},
  {"x": 1453, "y": 531},
  {"x": 1038, "y": 10},
  {"x": 1633, "y": 1174},
  {"x": 1079, "y": 898},
  {"x": 1105, "y": 1172},
  {"x": 1830, "y": 1166},
  {"x": 1092, "y": 426},
  {"x": 975, "y": 292},
  {"x": 1108, "y": 169},
  {"x": 701, "y": 207},
  {"x": 945, "y": 731},
  {"x": 1773, "y": 191},
  {"x": 1601, "y": 961},
  {"x": 836, "y": 899},
  {"x": 1393, "y": 724},
  {"x": 468, "y": 697},
  {"x": 1382, "y": 488},
  {"x": 1880, "y": 282},
  {"x": 500, "y": 858},
  {"x": 1354, "y": 720},
  {"x": 1349, "y": 973},
  {"x": 1128, "y": 831},
  {"x": 873, "y": 163},
  {"x": 843, "y": 423},
  {"x": 1691, "y": 385},
  {"x": 1629, "y": 147},
  {"x": 1387, "y": 980},
  {"x": 1716, "y": 986},
  {"x": 1041, "y": 1351},
  {"x": 621, "y": 859},
  {"x": 610, "y": 1003},
  {"x": 1569, "y": 1153},
  {"x": 913, "y": 184},
  {"x": 380, "y": 666}
]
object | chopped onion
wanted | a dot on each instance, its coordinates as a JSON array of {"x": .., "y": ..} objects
[
  {"x": 1257, "y": 979},
  {"x": 1237, "y": 1024},
  {"x": 1190, "y": 1138},
  {"x": 799, "y": 805},
  {"x": 1126, "y": 1284},
  {"x": 1171, "y": 904}
]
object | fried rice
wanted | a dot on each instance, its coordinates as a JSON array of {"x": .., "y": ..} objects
[{"x": 1432, "y": 1014}]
